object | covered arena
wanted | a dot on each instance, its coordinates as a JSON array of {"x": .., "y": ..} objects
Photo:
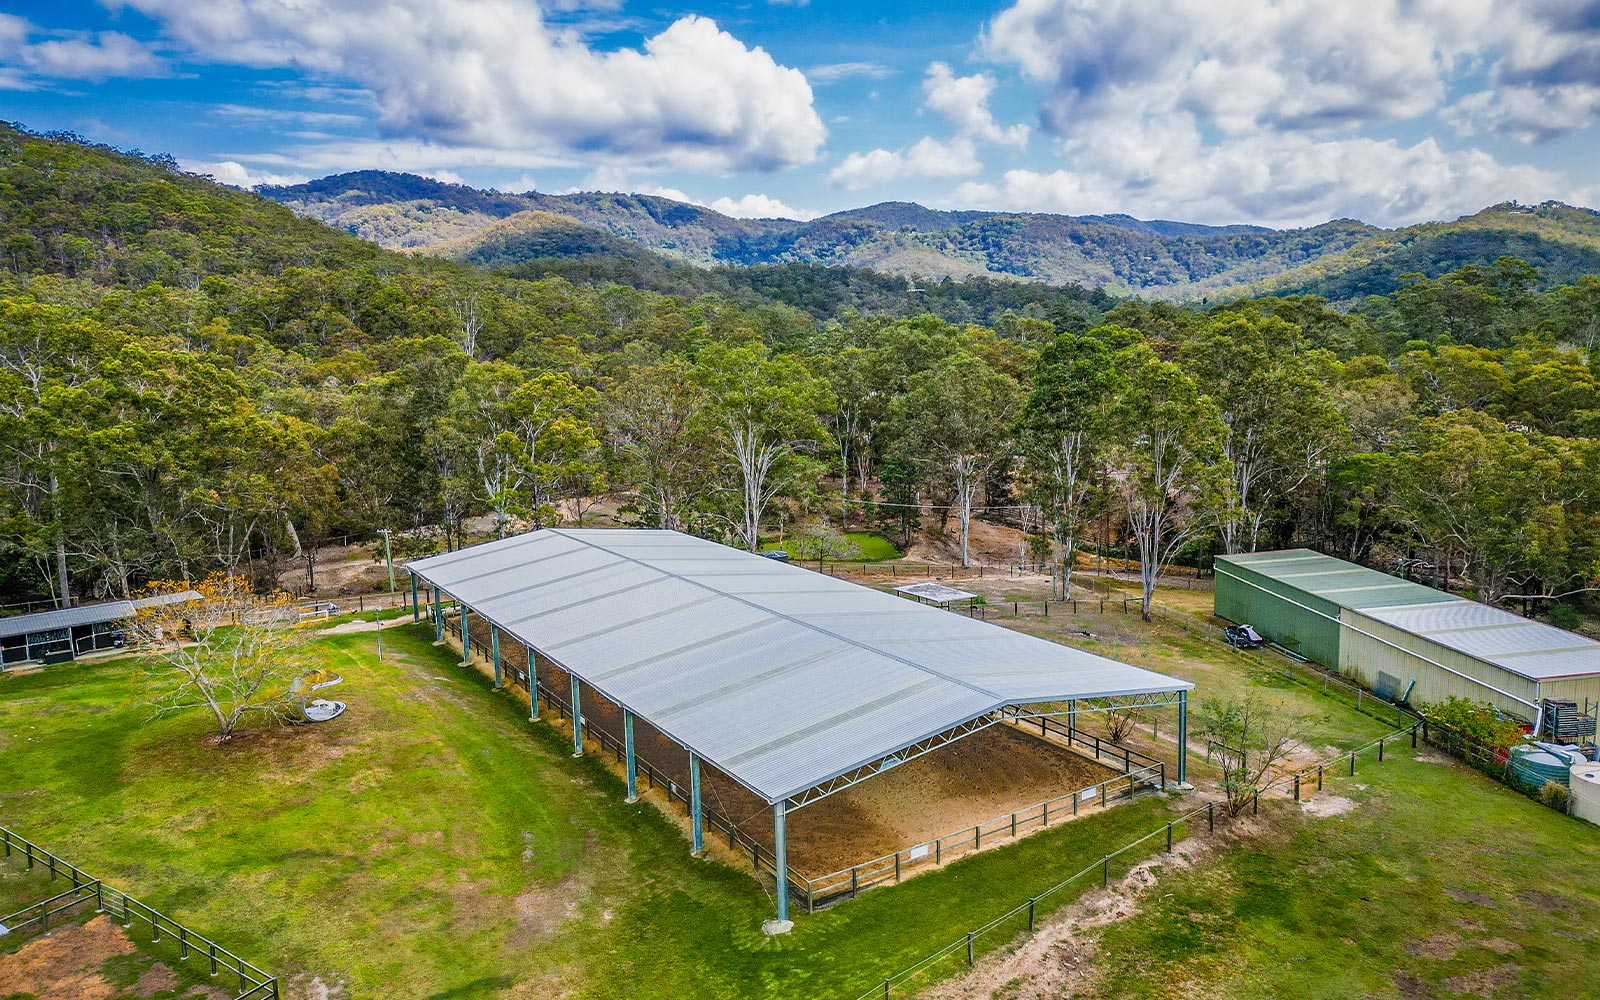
[{"x": 782, "y": 685}]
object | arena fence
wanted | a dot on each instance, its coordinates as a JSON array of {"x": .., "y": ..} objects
[
  {"x": 1022, "y": 919},
  {"x": 253, "y": 984}
]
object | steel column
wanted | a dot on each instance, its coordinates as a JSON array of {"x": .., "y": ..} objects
[
  {"x": 494, "y": 646},
  {"x": 1183, "y": 737},
  {"x": 780, "y": 858},
  {"x": 416, "y": 612},
  {"x": 466, "y": 638},
  {"x": 438, "y": 616},
  {"x": 1072, "y": 718},
  {"x": 627, "y": 746},
  {"x": 696, "y": 823},
  {"x": 533, "y": 685},
  {"x": 577, "y": 719}
]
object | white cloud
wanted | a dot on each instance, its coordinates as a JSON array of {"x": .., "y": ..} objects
[
  {"x": 1279, "y": 179},
  {"x": 493, "y": 74},
  {"x": 963, "y": 101},
  {"x": 235, "y": 173},
  {"x": 928, "y": 158},
  {"x": 759, "y": 206},
  {"x": 835, "y": 72},
  {"x": 1302, "y": 64},
  {"x": 29, "y": 55}
]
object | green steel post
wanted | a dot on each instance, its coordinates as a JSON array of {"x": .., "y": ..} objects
[
  {"x": 627, "y": 746},
  {"x": 577, "y": 719},
  {"x": 1072, "y": 719},
  {"x": 1183, "y": 737},
  {"x": 416, "y": 612},
  {"x": 466, "y": 637},
  {"x": 533, "y": 685},
  {"x": 695, "y": 822},
  {"x": 438, "y": 616},
  {"x": 780, "y": 858},
  {"x": 494, "y": 645}
]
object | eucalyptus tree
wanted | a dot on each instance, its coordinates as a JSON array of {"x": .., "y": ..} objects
[
  {"x": 957, "y": 421},
  {"x": 1167, "y": 460},
  {"x": 1282, "y": 426},
  {"x": 1062, "y": 439},
  {"x": 765, "y": 414}
]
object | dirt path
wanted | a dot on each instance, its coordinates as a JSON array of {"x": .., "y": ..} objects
[{"x": 1058, "y": 961}]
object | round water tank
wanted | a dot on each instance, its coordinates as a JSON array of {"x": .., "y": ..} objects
[{"x": 1585, "y": 784}]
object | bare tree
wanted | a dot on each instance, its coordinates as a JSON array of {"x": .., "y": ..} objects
[
  {"x": 1247, "y": 738},
  {"x": 1120, "y": 723},
  {"x": 230, "y": 651}
]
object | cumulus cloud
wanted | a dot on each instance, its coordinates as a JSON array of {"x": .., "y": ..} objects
[
  {"x": 963, "y": 101},
  {"x": 235, "y": 173},
  {"x": 1279, "y": 179},
  {"x": 760, "y": 206},
  {"x": 29, "y": 55},
  {"x": 928, "y": 158},
  {"x": 1269, "y": 111},
  {"x": 495, "y": 74}
]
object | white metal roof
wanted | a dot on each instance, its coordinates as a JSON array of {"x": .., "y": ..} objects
[
  {"x": 85, "y": 614},
  {"x": 938, "y": 593},
  {"x": 781, "y": 677},
  {"x": 1521, "y": 645}
]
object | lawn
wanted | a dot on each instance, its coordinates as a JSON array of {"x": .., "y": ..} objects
[
  {"x": 433, "y": 843},
  {"x": 1438, "y": 883},
  {"x": 861, "y": 547}
]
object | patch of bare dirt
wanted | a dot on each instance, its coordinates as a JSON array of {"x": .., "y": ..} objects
[
  {"x": 1442, "y": 947},
  {"x": 308, "y": 987},
  {"x": 1327, "y": 805},
  {"x": 1485, "y": 982},
  {"x": 65, "y": 964},
  {"x": 1463, "y": 896}
]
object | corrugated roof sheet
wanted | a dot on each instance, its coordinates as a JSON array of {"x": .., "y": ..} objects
[
  {"x": 780, "y": 677},
  {"x": 85, "y": 614},
  {"x": 1343, "y": 583},
  {"x": 1525, "y": 647}
]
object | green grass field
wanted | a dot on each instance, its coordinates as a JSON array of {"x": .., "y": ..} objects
[
  {"x": 863, "y": 547},
  {"x": 433, "y": 843},
  {"x": 1438, "y": 883}
]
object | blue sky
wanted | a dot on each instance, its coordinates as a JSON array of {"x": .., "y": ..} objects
[{"x": 1280, "y": 112}]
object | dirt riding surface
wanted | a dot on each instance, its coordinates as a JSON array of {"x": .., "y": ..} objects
[
  {"x": 90, "y": 960},
  {"x": 975, "y": 780}
]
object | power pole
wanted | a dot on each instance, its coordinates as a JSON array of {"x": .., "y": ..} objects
[{"x": 388, "y": 557}]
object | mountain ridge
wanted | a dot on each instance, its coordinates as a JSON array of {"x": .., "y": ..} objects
[{"x": 1342, "y": 259}]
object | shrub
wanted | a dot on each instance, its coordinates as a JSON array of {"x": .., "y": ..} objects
[
  {"x": 1555, "y": 795},
  {"x": 1565, "y": 616},
  {"x": 1476, "y": 722}
]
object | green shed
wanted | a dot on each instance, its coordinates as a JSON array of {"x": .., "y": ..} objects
[{"x": 1401, "y": 638}]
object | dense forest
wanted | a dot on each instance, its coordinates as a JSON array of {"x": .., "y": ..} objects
[{"x": 194, "y": 379}]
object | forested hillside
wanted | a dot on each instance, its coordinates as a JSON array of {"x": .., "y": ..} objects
[
  {"x": 195, "y": 379},
  {"x": 1341, "y": 260}
]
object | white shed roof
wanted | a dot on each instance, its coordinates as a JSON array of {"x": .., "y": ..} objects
[
  {"x": 780, "y": 677},
  {"x": 1511, "y": 642}
]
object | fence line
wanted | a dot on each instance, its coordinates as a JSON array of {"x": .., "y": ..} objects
[
  {"x": 254, "y": 984},
  {"x": 1029, "y": 909}
]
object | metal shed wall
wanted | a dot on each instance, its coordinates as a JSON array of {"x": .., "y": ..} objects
[
  {"x": 1246, "y": 595},
  {"x": 1362, "y": 657}
]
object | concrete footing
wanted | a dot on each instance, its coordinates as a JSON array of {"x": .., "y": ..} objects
[{"x": 772, "y": 928}]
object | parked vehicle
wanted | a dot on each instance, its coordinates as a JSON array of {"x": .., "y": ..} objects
[{"x": 1243, "y": 637}]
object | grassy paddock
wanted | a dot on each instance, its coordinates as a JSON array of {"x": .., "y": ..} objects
[{"x": 433, "y": 843}]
